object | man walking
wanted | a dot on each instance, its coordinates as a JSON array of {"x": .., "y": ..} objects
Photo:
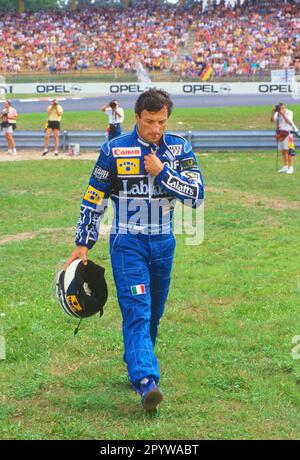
[{"x": 144, "y": 173}]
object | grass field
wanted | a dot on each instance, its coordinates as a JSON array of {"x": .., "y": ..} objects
[
  {"x": 249, "y": 118},
  {"x": 117, "y": 76},
  {"x": 226, "y": 338}
]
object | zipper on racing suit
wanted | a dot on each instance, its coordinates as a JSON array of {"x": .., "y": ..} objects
[{"x": 154, "y": 148}]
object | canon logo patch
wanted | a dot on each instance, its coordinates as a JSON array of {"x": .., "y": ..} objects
[{"x": 126, "y": 152}]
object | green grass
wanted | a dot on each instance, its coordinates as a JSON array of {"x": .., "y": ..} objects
[
  {"x": 248, "y": 118},
  {"x": 119, "y": 77},
  {"x": 225, "y": 340},
  {"x": 72, "y": 77}
]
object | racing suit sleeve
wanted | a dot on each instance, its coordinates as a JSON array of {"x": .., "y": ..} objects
[
  {"x": 186, "y": 185},
  {"x": 94, "y": 202}
]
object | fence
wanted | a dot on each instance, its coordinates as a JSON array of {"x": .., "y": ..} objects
[{"x": 200, "y": 140}]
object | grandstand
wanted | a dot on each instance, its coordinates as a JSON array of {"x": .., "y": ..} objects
[{"x": 186, "y": 40}]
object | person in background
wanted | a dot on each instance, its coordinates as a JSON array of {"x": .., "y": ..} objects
[
  {"x": 55, "y": 112},
  {"x": 8, "y": 125},
  {"x": 284, "y": 134},
  {"x": 115, "y": 118}
]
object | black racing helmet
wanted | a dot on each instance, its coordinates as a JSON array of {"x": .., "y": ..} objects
[{"x": 81, "y": 289}]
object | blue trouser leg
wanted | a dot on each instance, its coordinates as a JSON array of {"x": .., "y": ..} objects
[
  {"x": 135, "y": 259},
  {"x": 118, "y": 130},
  {"x": 114, "y": 131},
  {"x": 160, "y": 277}
]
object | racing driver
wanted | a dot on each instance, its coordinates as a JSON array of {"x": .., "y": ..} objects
[{"x": 144, "y": 172}]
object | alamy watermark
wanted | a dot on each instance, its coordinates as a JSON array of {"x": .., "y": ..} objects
[
  {"x": 161, "y": 217},
  {"x": 2, "y": 339},
  {"x": 296, "y": 349},
  {"x": 295, "y": 88},
  {"x": 3, "y": 89}
]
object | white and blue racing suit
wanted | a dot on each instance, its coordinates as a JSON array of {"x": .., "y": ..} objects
[{"x": 141, "y": 241}]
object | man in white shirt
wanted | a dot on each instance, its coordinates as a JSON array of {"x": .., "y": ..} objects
[
  {"x": 285, "y": 127},
  {"x": 115, "y": 118}
]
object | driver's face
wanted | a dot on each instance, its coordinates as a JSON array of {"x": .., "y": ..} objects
[{"x": 151, "y": 125}]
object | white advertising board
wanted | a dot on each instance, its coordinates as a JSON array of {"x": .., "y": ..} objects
[{"x": 115, "y": 89}]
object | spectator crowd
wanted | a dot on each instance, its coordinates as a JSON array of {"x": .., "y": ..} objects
[
  {"x": 249, "y": 39},
  {"x": 64, "y": 41},
  {"x": 246, "y": 39}
]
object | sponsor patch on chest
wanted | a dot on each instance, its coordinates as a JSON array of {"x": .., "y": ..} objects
[
  {"x": 126, "y": 152},
  {"x": 134, "y": 188},
  {"x": 173, "y": 164},
  {"x": 127, "y": 167},
  {"x": 175, "y": 149}
]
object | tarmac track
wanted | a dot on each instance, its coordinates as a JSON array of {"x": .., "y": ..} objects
[{"x": 78, "y": 104}]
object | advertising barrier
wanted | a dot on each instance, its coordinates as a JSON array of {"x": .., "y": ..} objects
[{"x": 180, "y": 88}]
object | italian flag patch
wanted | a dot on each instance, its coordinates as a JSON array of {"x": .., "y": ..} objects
[{"x": 139, "y": 289}]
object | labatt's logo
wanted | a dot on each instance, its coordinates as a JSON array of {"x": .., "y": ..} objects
[
  {"x": 141, "y": 189},
  {"x": 181, "y": 187},
  {"x": 136, "y": 189},
  {"x": 126, "y": 152}
]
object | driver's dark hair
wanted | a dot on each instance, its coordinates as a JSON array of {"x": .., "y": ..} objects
[{"x": 153, "y": 100}]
